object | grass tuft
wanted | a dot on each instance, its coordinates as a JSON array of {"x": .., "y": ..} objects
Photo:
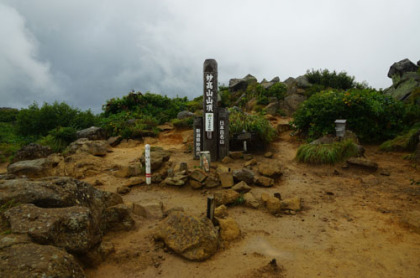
[{"x": 327, "y": 153}]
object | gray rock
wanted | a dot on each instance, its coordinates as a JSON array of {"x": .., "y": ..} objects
[
  {"x": 289, "y": 81},
  {"x": 264, "y": 181},
  {"x": 244, "y": 175},
  {"x": 225, "y": 197},
  {"x": 71, "y": 228},
  {"x": 92, "y": 133},
  {"x": 198, "y": 175},
  {"x": 226, "y": 179},
  {"x": 149, "y": 209},
  {"x": 271, "y": 170},
  {"x": 302, "y": 82},
  {"x": 114, "y": 141},
  {"x": 179, "y": 179},
  {"x": 211, "y": 182},
  {"x": 250, "y": 200},
  {"x": 185, "y": 114},
  {"x": 158, "y": 157},
  {"x": 241, "y": 187},
  {"x": 32, "y": 151},
  {"x": 25, "y": 259},
  {"x": 292, "y": 102},
  {"x": 117, "y": 218},
  {"x": 191, "y": 237},
  {"x": 94, "y": 147},
  {"x": 272, "y": 108},
  {"x": 363, "y": 163},
  {"x": 241, "y": 84},
  {"x": 36, "y": 168},
  {"x": 401, "y": 67}
]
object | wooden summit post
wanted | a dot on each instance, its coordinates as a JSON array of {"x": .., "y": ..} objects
[{"x": 210, "y": 109}]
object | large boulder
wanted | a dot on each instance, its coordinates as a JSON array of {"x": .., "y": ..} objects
[
  {"x": 94, "y": 147},
  {"x": 401, "y": 67},
  {"x": 71, "y": 228},
  {"x": 21, "y": 258},
  {"x": 36, "y": 168},
  {"x": 32, "y": 151},
  {"x": 92, "y": 133},
  {"x": 270, "y": 170},
  {"x": 291, "y": 103},
  {"x": 244, "y": 175},
  {"x": 241, "y": 84},
  {"x": 194, "y": 238}
]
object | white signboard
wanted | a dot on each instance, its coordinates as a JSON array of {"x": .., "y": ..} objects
[{"x": 209, "y": 122}]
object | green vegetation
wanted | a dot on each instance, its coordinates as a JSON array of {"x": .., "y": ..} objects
[
  {"x": 326, "y": 153},
  {"x": 371, "y": 115},
  {"x": 59, "y": 138},
  {"x": 404, "y": 142},
  {"x": 239, "y": 121},
  {"x": 184, "y": 123},
  {"x": 324, "y": 79}
]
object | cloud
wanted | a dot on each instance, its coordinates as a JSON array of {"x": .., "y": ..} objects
[
  {"x": 23, "y": 77},
  {"x": 85, "y": 52}
]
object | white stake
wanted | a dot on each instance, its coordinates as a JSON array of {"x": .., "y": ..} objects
[{"x": 148, "y": 168}]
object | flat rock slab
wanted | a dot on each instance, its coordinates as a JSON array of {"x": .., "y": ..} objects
[
  {"x": 191, "y": 237},
  {"x": 363, "y": 163}
]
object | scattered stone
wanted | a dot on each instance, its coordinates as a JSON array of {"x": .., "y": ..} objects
[
  {"x": 264, "y": 181},
  {"x": 226, "y": 180},
  {"x": 221, "y": 211},
  {"x": 179, "y": 179},
  {"x": 133, "y": 181},
  {"x": 114, "y": 140},
  {"x": 30, "y": 260},
  {"x": 122, "y": 190},
  {"x": 93, "y": 147},
  {"x": 191, "y": 237},
  {"x": 118, "y": 218},
  {"x": 185, "y": 114},
  {"x": 158, "y": 156},
  {"x": 229, "y": 228},
  {"x": 270, "y": 170},
  {"x": 211, "y": 182},
  {"x": 273, "y": 205},
  {"x": 32, "y": 151},
  {"x": 131, "y": 170},
  {"x": 149, "y": 209},
  {"x": 277, "y": 195},
  {"x": 236, "y": 155},
  {"x": 294, "y": 204},
  {"x": 268, "y": 155},
  {"x": 244, "y": 175},
  {"x": 198, "y": 175},
  {"x": 225, "y": 197},
  {"x": 363, "y": 163},
  {"x": 250, "y": 162},
  {"x": 248, "y": 157},
  {"x": 227, "y": 160},
  {"x": 241, "y": 187},
  {"x": 222, "y": 169},
  {"x": 250, "y": 200},
  {"x": 195, "y": 184},
  {"x": 92, "y": 133}
]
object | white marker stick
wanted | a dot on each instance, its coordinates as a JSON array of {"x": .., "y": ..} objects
[{"x": 148, "y": 168}]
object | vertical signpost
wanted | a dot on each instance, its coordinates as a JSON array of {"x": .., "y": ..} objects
[
  {"x": 148, "y": 168},
  {"x": 223, "y": 132},
  {"x": 210, "y": 138},
  {"x": 198, "y": 137}
]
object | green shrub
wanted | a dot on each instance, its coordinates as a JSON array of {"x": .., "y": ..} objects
[
  {"x": 183, "y": 123},
  {"x": 8, "y": 115},
  {"x": 329, "y": 79},
  {"x": 37, "y": 121},
  {"x": 374, "y": 117},
  {"x": 326, "y": 153},
  {"x": 59, "y": 138},
  {"x": 403, "y": 142},
  {"x": 10, "y": 142},
  {"x": 239, "y": 121}
]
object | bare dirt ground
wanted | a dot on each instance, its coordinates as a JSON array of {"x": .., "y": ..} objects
[{"x": 353, "y": 222}]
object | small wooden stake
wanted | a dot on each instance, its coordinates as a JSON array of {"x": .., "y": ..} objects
[{"x": 210, "y": 207}]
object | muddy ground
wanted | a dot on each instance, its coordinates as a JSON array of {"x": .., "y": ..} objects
[{"x": 353, "y": 224}]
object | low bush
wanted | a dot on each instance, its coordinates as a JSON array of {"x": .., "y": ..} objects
[
  {"x": 8, "y": 115},
  {"x": 183, "y": 123},
  {"x": 327, "y": 153},
  {"x": 239, "y": 121},
  {"x": 404, "y": 142},
  {"x": 59, "y": 138},
  {"x": 371, "y": 115}
]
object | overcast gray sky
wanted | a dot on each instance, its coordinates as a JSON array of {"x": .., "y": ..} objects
[{"x": 87, "y": 51}]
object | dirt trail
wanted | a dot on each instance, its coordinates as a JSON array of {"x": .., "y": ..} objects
[{"x": 351, "y": 225}]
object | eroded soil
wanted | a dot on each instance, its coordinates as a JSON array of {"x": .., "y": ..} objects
[{"x": 354, "y": 223}]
